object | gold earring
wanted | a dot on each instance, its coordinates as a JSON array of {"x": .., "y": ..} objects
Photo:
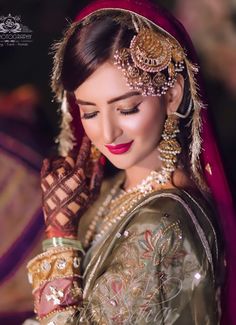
[
  {"x": 95, "y": 154},
  {"x": 169, "y": 147}
]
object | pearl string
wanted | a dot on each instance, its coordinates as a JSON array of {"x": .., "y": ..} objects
[{"x": 119, "y": 202}]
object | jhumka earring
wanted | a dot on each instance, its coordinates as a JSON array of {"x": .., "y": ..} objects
[{"x": 169, "y": 147}]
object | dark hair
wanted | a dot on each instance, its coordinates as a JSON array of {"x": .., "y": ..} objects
[
  {"x": 89, "y": 48},
  {"x": 94, "y": 44}
]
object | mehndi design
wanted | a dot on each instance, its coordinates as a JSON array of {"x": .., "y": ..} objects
[{"x": 67, "y": 190}]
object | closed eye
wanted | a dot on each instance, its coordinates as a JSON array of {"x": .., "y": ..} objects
[
  {"x": 89, "y": 115},
  {"x": 132, "y": 110}
]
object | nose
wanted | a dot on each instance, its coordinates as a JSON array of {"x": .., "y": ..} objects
[{"x": 110, "y": 128}]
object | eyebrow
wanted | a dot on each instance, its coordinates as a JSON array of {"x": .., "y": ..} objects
[{"x": 113, "y": 100}]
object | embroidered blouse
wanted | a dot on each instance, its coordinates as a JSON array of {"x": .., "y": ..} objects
[{"x": 161, "y": 264}]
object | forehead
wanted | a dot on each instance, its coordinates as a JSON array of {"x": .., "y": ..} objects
[{"x": 106, "y": 82}]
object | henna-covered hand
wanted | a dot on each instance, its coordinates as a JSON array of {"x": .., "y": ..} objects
[{"x": 68, "y": 186}]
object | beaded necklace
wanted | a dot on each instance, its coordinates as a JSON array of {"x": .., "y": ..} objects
[{"x": 119, "y": 202}]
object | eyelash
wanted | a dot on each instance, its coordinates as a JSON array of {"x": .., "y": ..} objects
[{"x": 133, "y": 110}]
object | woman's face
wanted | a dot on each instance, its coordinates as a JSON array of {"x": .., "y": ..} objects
[{"x": 112, "y": 114}]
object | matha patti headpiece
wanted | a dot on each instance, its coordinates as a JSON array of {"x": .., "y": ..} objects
[{"x": 151, "y": 63}]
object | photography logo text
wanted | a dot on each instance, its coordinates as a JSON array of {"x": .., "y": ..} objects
[{"x": 13, "y": 32}]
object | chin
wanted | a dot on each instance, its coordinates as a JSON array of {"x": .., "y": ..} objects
[
  {"x": 123, "y": 166},
  {"x": 123, "y": 162},
  {"x": 120, "y": 164}
]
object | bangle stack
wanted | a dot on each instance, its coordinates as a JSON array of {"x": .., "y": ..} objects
[
  {"x": 55, "y": 276},
  {"x": 53, "y": 264}
]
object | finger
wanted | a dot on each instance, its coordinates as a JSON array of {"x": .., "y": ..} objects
[
  {"x": 48, "y": 181},
  {"x": 57, "y": 163},
  {"x": 97, "y": 177},
  {"x": 73, "y": 153},
  {"x": 79, "y": 173},
  {"x": 69, "y": 162},
  {"x": 66, "y": 166},
  {"x": 46, "y": 168},
  {"x": 58, "y": 170},
  {"x": 84, "y": 152}
]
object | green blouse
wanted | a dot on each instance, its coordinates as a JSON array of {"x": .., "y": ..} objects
[{"x": 161, "y": 264}]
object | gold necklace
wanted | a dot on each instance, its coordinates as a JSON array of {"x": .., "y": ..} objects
[{"x": 119, "y": 202}]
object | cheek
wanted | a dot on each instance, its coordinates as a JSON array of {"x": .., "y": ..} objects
[
  {"x": 146, "y": 125},
  {"x": 90, "y": 129},
  {"x": 93, "y": 130}
]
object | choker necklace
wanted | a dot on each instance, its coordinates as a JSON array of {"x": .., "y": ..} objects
[
  {"x": 119, "y": 202},
  {"x": 146, "y": 185}
]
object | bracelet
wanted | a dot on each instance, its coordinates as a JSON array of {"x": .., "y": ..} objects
[
  {"x": 55, "y": 263},
  {"x": 57, "y": 295},
  {"x": 62, "y": 242},
  {"x": 58, "y": 316}
]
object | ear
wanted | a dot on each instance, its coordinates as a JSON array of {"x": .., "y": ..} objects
[{"x": 174, "y": 95}]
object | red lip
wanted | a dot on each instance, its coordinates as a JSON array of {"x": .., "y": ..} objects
[{"x": 119, "y": 148}]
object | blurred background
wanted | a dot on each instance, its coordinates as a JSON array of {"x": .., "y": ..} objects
[{"x": 29, "y": 119}]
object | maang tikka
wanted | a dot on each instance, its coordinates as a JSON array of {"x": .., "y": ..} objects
[{"x": 151, "y": 63}]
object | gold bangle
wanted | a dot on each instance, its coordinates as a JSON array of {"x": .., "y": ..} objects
[
  {"x": 66, "y": 310},
  {"x": 57, "y": 263}
]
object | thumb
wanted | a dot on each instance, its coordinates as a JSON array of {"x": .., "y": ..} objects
[
  {"x": 84, "y": 152},
  {"x": 97, "y": 175}
]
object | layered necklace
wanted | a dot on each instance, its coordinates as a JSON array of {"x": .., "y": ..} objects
[{"x": 120, "y": 202}]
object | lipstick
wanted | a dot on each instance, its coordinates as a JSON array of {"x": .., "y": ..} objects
[{"x": 119, "y": 148}]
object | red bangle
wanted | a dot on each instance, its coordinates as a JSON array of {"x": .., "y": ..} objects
[{"x": 55, "y": 295}]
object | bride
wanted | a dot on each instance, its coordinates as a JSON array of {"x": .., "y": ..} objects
[{"x": 132, "y": 233}]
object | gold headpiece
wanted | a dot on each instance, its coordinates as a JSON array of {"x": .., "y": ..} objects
[{"x": 151, "y": 63}]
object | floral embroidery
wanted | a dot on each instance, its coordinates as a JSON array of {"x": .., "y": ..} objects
[
  {"x": 161, "y": 245},
  {"x": 137, "y": 282}
]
